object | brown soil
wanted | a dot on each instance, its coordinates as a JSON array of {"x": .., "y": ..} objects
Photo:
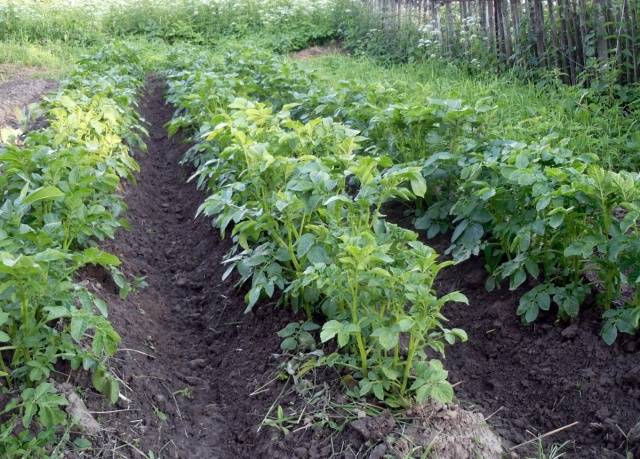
[
  {"x": 541, "y": 377},
  {"x": 190, "y": 359},
  {"x": 18, "y": 91},
  {"x": 15, "y": 71}
]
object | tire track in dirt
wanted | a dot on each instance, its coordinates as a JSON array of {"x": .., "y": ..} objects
[{"x": 191, "y": 399}]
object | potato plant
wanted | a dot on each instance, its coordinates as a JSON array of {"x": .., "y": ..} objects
[
  {"x": 58, "y": 198},
  {"x": 535, "y": 211},
  {"x": 303, "y": 206}
]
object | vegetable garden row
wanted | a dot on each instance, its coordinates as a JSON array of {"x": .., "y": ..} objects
[
  {"x": 60, "y": 198},
  {"x": 299, "y": 172},
  {"x": 534, "y": 211},
  {"x": 305, "y": 209}
]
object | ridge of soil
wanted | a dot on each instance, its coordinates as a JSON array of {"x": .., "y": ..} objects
[
  {"x": 190, "y": 359},
  {"x": 538, "y": 378}
]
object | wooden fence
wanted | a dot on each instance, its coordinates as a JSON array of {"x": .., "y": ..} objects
[{"x": 574, "y": 37}]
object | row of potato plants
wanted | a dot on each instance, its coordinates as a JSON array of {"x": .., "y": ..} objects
[
  {"x": 535, "y": 211},
  {"x": 59, "y": 196},
  {"x": 302, "y": 205},
  {"x": 549, "y": 222}
]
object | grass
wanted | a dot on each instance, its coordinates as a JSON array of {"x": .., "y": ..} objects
[
  {"x": 524, "y": 111},
  {"x": 50, "y": 60},
  {"x": 54, "y": 59},
  {"x": 49, "y": 35}
]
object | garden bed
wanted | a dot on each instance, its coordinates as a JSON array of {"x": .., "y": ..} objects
[{"x": 533, "y": 379}]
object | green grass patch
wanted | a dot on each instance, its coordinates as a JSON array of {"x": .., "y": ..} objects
[{"x": 51, "y": 60}]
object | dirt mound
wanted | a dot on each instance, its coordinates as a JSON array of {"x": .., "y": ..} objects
[
  {"x": 545, "y": 376},
  {"x": 443, "y": 432},
  {"x": 451, "y": 433}
]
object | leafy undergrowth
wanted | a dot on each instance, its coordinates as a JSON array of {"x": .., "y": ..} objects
[
  {"x": 588, "y": 120},
  {"x": 59, "y": 197}
]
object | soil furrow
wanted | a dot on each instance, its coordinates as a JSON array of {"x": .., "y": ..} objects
[{"x": 192, "y": 397}]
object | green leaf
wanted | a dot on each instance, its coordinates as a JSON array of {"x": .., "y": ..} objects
[
  {"x": 310, "y": 326},
  {"x": 522, "y": 161},
  {"x": 345, "y": 333},
  {"x": 78, "y": 327},
  {"x": 531, "y": 313},
  {"x": 378, "y": 391},
  {"x": 486, "y": 193},
  {"x": 442, "y": 391},
  {"x": 4, "y": 338},
  {"x": 252, "y": 298},
  {"x": 459, "y": 229},
  {"x": 306, "y": 340},
  {"x": 289, "y": 330},
  {"x": 4, "y": 317},
  {"x": 289, "y": 344},
  {"x": 544, "y": 301},
  {"x": 517, "y": 279},
  {"x": 67, "y": 102},
  {"x": 528, "y": 307},
  {"x": 329, "y": 330},
  {"x": 102, "y": 306},
  {"x": 543, "y": 203},
  {"x": 47, "y": 192},
  {"x": 387, "y": 337},
  {"x": 82, "y": 443},
  {"x": 56, "y": 312},
  {"x": 456, "y": 333},
  {"x": 49, "y": 255},
  {"x": 629, "y": 220},
  {"x": 405, "y": 324},
  {"x": 304, "y": 244},
  {"x": 114, "y": 390},
  {"x": 390, "y": 373},
  {"x": 418, "y": 186},
  {"x": 317, "y": 254},
  {"x": 609, "y": 333},
  {"x": 93, "y": 255},
  {"x": 556, "y": 220},
  {"x": 455, "y": 297},
  {"x": 532, "y": 267}
]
